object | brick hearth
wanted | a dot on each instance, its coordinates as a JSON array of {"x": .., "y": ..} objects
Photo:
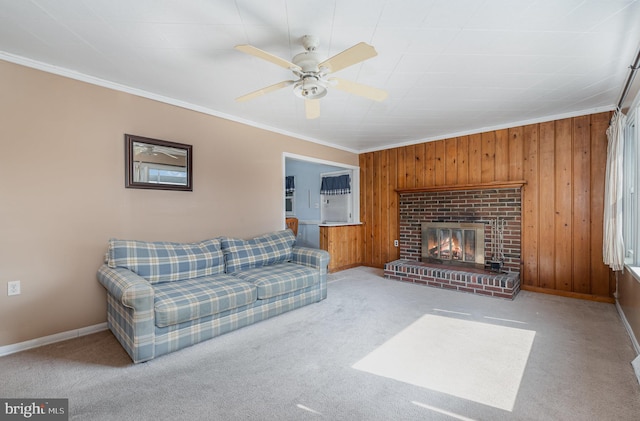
[
  {"x": 481, "y": 205},
  {"x": 475, "y": 281}
]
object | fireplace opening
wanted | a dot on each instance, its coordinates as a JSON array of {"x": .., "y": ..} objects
[{"x": 453, "y": 243}]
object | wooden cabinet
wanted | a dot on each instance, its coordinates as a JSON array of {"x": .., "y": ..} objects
[{"x": 344, "y": 244}]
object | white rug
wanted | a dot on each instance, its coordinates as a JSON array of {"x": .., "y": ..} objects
[{"x": 481, "y": 362}]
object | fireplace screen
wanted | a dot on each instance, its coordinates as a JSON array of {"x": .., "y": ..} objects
[{"x": 453, "y": 242}]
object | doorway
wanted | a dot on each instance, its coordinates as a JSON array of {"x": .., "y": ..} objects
[{"x": 307, "y": 200}]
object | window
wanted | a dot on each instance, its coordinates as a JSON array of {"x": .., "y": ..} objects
[
  {"x": 336, "y": 197},
  {"x": 290, "y": 195},
  {"x": 150, "y": 172},
  {"x": 631, "y": 179},
  {"x": 290, "y": 204}
]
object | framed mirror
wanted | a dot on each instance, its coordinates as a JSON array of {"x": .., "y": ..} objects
[{"x": 157, "y": 164}]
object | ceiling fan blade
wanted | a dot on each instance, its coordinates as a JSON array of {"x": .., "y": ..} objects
[
  {"x": 312, "y": 108},
  {"x": 354, "y": 55},
  {"x": 359, "y": 89},
  {"x": 264, "y": 91},
  {"x": 168, "y": 151},
  {"x": 256, "y": 52}
]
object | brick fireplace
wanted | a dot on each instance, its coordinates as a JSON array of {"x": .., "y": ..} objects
[{"x": 497, "y": 210}]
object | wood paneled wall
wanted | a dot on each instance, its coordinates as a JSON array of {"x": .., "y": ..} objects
[{"x": 563, "y": 164}]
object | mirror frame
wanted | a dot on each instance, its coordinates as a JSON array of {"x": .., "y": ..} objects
[{"x": 129, "y": 161}]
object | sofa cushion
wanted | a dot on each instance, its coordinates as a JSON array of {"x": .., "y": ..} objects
[
  {"x": 268, "y": 249},
  {"x": 163, "y": 261},
  {"x": 279, "y": 279},
  {"x": 178, "y": 302}
]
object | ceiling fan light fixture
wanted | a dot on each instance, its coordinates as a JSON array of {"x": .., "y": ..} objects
[
  {"x": 312, "y": 82},
  {"x": 310, "y": 88}
]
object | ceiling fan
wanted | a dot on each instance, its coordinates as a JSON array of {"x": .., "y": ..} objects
[
  {"x": 312, "y": 75},
  {"x": 155, "y": 150}
]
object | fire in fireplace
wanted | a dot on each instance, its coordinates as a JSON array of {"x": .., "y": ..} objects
[{"x": 456, "y": 243}]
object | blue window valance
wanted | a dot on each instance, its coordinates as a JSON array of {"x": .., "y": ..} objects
[
  {"x": 340, "y": 184},
  {"x": 290, "y": 184}
]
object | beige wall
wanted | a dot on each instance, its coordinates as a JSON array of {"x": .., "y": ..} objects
[
  {"x": 62, "y": 190},
  {"x": 628, "y": 296}
]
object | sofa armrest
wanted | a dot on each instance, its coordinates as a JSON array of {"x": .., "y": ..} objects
[
  {"x": 126, "y": 287},
  {"x": 315, "y": 258},
  {"x": 130, "y": 311}
]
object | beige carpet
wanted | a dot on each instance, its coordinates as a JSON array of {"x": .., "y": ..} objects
[
  {"x": 374, "y": 350},
  {"x": 472, "y": 360}
]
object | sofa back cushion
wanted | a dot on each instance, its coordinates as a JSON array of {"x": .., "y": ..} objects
[
  {"x": 275, "y": 247},
  {"x": 163, "y": 261}
]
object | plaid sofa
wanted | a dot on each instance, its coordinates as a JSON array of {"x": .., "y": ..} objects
[{"x": 164, "y": 296}]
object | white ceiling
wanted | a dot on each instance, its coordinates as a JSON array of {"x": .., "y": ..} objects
[{"x": 450, "y": 66}]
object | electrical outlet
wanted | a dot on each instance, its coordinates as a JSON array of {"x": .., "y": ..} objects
[
  {"x": 395, "y": 243},
  {"x": 13, "y": 288}
]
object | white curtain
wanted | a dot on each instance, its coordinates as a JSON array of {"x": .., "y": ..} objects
[{"x": 613, "y": 246}]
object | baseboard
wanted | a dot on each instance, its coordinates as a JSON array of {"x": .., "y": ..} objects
[
  {"x": 625, "y": 322},
  {"x": 345, "y": 267},
  {"x": 46, "y": 340},
  {"x": 634, "y": 341},
  {"x": 636, "y": 367},
  {"x": 569, "y": 294}
]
